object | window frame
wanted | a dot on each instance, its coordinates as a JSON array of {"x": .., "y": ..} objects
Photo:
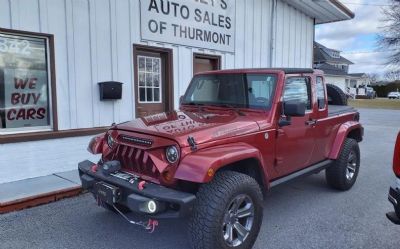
[
  {"x": 52, "y": 96},
  {"x": 325, "y": 93},
  {"x": 145, "y": 83}
]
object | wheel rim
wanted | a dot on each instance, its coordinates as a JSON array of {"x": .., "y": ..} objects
[
  {"x": 238, "y": 220},
  {"x": 351, "y": 165}
]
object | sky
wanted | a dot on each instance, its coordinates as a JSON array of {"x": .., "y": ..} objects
[{"x": 357, "y": 38}]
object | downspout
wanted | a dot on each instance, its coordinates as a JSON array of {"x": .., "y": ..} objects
[
  {"x": 312, "y": 62},
  {"x": 273, "y": 32}
]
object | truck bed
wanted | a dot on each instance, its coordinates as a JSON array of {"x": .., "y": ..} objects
[{"x": 334, "y": 110}]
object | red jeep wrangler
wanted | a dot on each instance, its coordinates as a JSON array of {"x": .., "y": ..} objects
[{"x": 237, "y": 134}]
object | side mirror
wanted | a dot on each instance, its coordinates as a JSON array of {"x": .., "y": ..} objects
[{"x": 294, "y": 109}]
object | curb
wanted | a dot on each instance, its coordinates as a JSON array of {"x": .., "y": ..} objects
[{"x": 33, "y": 201}]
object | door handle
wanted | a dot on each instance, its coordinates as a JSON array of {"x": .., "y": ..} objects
[{"x": 311, "y": 122}]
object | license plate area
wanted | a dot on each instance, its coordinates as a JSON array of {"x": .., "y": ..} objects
[{"x": 107, "y": 193}]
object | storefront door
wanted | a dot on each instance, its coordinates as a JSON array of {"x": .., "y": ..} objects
[
  {"x": 153, "y": 84},
  {"x": 202, "y": 63}
]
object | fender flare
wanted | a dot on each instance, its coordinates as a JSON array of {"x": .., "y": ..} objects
[
  {"x": 343, "y": 133},
  {"x": 195, "y": 167}
]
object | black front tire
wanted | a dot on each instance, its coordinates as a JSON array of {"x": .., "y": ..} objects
[
  {"x": 214, "y": 200},
  {"x": 344, "y": 171}
]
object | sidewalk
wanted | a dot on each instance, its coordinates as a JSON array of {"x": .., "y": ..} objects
[{"x": 39, "y": 190}]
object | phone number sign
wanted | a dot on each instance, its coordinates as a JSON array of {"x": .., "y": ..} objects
[{"x": 196, "y": 23}]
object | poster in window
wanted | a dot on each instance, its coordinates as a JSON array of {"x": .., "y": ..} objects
[{"x": 24, "y": 82}]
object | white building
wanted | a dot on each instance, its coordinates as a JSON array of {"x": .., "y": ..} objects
[
  {"x": 336, "y": 69},
  {"x": 53, "y": 54}
]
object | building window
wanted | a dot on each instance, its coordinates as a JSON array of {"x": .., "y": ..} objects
[
  {"x": 149, "y": 79},
  {"x": 25, "y": 83}
]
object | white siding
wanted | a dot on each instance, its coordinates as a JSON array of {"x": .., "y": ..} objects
[
  {"x": 94, "y": 38},
  {"x": 31, "y": 159}
]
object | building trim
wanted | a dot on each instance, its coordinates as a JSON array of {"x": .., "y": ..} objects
[
  {"x": 343, "y": 8},
  {"x": 48, "y": 135}
]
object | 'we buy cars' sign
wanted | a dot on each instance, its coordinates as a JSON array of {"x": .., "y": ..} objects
[
  {"x": 196, "y": 23},
  {"x": 25, "y": 98}
]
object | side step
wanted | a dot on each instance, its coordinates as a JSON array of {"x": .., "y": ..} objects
[{"x": 304, "y": 172}]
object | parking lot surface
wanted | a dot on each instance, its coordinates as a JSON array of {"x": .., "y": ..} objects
[{"x": 304, "y": 213}]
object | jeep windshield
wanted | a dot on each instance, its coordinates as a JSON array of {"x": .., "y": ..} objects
[{"x": 254, "y": 91}]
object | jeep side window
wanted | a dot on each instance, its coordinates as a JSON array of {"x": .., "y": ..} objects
[
  {"x": 321, "y": 93},
  {"x": 298, "y": 89}
]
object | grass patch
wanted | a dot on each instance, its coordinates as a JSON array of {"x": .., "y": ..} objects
[{"x": 379, "y": 103}]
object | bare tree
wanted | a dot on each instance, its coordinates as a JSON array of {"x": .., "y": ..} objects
[
  {"x": 392, "y": 76},
  {"x": 390, "y": 36},
  {"x": 373, "y": 78}
]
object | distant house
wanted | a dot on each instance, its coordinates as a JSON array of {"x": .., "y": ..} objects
[{"x": 336, "y": 69}]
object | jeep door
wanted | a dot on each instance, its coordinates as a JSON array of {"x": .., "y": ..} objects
[{"x": 295, "y": 142}]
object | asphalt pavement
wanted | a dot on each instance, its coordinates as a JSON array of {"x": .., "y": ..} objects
[{"x": 304, "y": 213}]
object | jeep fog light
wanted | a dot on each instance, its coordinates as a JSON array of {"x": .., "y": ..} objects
[
  {"x": 152, "y": 206},
  {"x": 172, "y": 154}
]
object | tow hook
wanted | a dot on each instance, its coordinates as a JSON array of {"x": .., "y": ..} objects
[{"x": 150, "y": 225}]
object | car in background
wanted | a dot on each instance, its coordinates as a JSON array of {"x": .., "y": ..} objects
[
  {"x": 394, "y": 95},
  {"x": 394, "y": 191}
]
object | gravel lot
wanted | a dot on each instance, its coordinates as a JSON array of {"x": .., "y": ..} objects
[{"x": 304, "y": 213}]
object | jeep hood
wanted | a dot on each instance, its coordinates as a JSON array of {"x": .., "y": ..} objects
[{"x": 202, "y": 126}]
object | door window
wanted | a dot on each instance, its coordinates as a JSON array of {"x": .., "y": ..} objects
[
  {"x": 321, "y": 93},
  {"x": 298, "y": 89},
  {"x": 149, "y": 70}
]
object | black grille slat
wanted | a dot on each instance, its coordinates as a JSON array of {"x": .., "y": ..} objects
[{"x": 136, "y": 160}]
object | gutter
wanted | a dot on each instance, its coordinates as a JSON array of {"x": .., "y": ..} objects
[{"x": 343, "y": 8}]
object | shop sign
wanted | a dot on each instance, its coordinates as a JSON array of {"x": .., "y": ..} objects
[{"x": 197, "y": 23}]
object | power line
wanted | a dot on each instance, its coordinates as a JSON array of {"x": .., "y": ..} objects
[
  {"x": 370, "y": 4},
  {"x": 370, "y": 51}
]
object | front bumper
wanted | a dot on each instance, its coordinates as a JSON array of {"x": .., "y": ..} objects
[
  {"x": 175, "y": 203},
  {"x": 394, "y": 198}
]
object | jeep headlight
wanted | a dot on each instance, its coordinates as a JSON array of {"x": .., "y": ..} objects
[
  {"x": 172, "y": 154},
  {"x": 110, "y": 141}
]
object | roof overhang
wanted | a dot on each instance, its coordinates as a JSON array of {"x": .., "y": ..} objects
[{"x": 323, "y": 11}]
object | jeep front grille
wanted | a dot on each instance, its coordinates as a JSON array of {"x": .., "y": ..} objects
[{"x": 136, "y": 160}]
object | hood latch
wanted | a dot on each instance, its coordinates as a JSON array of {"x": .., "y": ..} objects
[{"x": 192, "y": 143}]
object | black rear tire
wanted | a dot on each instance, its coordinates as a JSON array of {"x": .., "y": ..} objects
[
  {"x": 335, "y": 95},
  {"x": 344, "y": 171},
  {"x": 213, "y": 206}
]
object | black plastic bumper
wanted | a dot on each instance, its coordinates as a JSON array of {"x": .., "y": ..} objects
[
  {"x": 394, "y": 198},
  {"x": 175, "y": 203}
]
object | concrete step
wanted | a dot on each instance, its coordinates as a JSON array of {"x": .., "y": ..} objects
[{"x": 39, "y": 190}]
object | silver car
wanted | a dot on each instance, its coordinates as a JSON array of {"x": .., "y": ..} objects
[{"x": 394, "y": 95}]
